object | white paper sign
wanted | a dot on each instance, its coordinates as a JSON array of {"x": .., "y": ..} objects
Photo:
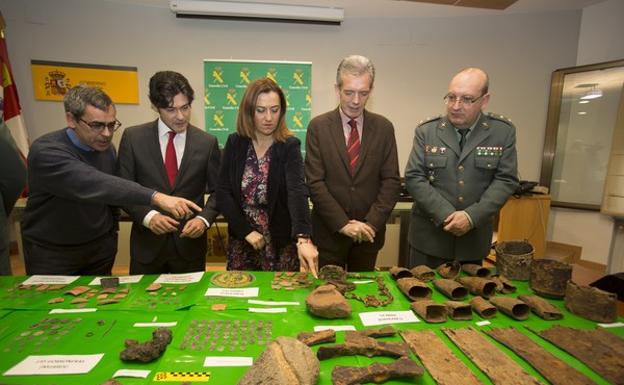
[
  {"x": 337, "y": 328},
  {"x": 134, "y": 373},
  {"x": 50, "y": 280},
  {"x": 387, "y": 317},
  {"x": 363, "y": 282},
  {"x": 483, "y": 323},
  {"x": 232, "y": 292},
  {"x": 268, "y": 310},
  {"x": 154, "y": 324},
  {"x": 228, "y": 361},
  {"x": 64, "y": 311},
  {"x": 612, "y": 325},
  {"x": 271, "y": 303},
  {"x": 180, "y": 278},
  {"x": 55, "y": 364},
  {"x": 122, "y": 280}
]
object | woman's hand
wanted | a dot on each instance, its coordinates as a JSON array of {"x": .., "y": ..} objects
[
  {"x": 308, "y": 256},
  {"x": 256, "y": 240}
]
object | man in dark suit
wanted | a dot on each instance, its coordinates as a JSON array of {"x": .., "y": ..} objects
[
  {"x": 352, "y": 170},
  {"x": 461, "y": 171},
  {"x": 170, "y": 155}
]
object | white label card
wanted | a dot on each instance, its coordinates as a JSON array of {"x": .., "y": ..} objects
[
  {"x": 232, "y": 292},
  {"x": 122, "y": 280},
  {"x": 228, "y": 361},
  {"x": 65, "y": 311},
  {"x": 50, "y": 280},
  {"x": 268, "y": 310},
  {"x": 134, "y": 373},
  {"x": 612, "y": 325},
  {"x": 483, "y": 323},
  {"x": 387, "y": 317},
  {"x": 180, "y": 278},
  {"x": 55, "y": 364},
  {"x": 337, "y": 328},
  {"x": 271, "y": 303},
  {"x": 363, "y": 282},
  {"x": 155, "y": 324}
]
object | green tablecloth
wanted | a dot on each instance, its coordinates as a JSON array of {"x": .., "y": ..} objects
[{"x": 27, "y": 328}]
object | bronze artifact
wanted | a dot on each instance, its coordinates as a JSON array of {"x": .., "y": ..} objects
[
  {"x": 316, "y": 338},
  {"x": 385, "y": 297},
  {"x": 327, "y": 302},
  {"x": 414, "y": 289},
  {"x": 503, "y": 285},
  {"x": 376, "y": 373},
  {"x": 147, "y": 351},
  {"x": 513, "y": 259},
  {"x": 591, "y": 303},
  {"x": 549, "y": 277},
  {"x": 602, "y": 351},
  {"x": 423, "y": 272},
  {"x": 449, "y": 270},
  {"x": 109, "y": 282},
  {"x": 513, "y": 307},
  {"x": 450, "y": 288},
  {"x": 479, "y": 286},
  {"x": 482, "y": 307},
  {"x": 541, "y": 307},
  {"x": 556, "y": 371},
  {"x": 458, "y": 311},
  {"x": 284, "y": 361},
  {"x": 232, "y": 279},
  {"x": 501, "y": 369},
  {"x": 400, "y": 272},
  {"x": 442, "y": 364},
  {"x": 364, "y": 346},
  {"x": 475, "y": 270},
  {"x": 332, "y": 272},
  {"x": 430, "y": 311}
]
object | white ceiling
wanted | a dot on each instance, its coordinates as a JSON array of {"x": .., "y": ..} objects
[{"x": 398, "y": 8}]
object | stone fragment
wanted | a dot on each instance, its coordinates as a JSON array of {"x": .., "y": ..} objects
[
  {"x": 591, "y": 303},
  {"x": 315, "y": 338},
  {"x": 449, "y": 270},
  {"x": 76, "y": 291},
  {"x": 414, "y": 289},
  {"x": 514, "y": 259},
  {"x": 364, "y": 346},
  {"x": 284, "y": 361},
  {"x": 429, "y": 311},
  {"x": 482, "y": 307},
  {"x": 479, "y": 286},
  {"x": 458, "y": 311},
  {"x": 475, "y": 270},
  {"x": 549, "y": 277},
  {"x": 376, "y": 373},
  {"x": 513, "y": 307},
  {"x": 451, "y": 288},
  {"x": 147, "y": 351},
  {"x": 327, "y": 302},
  {"x": 423, "y": 272},
  {"x": 541, "y": 307}
]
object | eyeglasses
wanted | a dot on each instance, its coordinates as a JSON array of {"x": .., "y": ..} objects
[
  {"x": 463, "y": 100},
  {"x": 99, "y": 126}
]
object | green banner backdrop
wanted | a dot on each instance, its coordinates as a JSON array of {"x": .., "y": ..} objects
[{"x": 225, "y": 82}]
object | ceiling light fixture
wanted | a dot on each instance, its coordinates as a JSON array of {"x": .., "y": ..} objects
[{"x": 594, "y": 93}]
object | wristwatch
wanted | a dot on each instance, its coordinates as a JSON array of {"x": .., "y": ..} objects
[{"x": 305, "y": 236}]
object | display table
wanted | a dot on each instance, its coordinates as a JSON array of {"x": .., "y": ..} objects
[{"x": 28, "y": 328}]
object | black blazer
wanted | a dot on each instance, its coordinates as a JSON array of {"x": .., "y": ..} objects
[{"x": 289, "y": 212}]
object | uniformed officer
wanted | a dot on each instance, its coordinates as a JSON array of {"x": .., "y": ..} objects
[{"x": 461, "y": 171}]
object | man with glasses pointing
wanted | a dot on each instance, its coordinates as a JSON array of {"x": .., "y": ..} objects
[
  {"x": 461, "y": 171},
  {"x": 70, "y": 221}
]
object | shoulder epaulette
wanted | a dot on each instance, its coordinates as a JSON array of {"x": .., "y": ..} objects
[
  {"x": 429, "y": 119},
  {"x": 500, "y": 117}
]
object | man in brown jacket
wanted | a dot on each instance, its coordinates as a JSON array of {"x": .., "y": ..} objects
[{"x": 352, "y": 170}]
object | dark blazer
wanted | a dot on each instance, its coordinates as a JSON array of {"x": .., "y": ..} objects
[
  {"x": 337, "y": 196},
  {"x": 140, "y": 160},
  {"x": 288, "y": 208}
]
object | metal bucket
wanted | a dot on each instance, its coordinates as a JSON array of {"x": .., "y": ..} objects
[{"x": 513, "y": 259}]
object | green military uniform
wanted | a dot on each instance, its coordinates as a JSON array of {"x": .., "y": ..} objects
[{"x": 442, "y": 179}]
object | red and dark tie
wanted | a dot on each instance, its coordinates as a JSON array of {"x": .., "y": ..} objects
[
  {"x": 353, "y": 145},
  {"x": 171, "y": 160}
]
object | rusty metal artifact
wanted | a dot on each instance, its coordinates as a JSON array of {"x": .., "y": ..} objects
[
  {"x": 513, "y": 259},
  {"x": 364, "y": 346},
  {"x": 542, "y": 307},
  {"x": 332, "y": 272},
  {"x": 513, "y": 307},
  {"x": 591, "y": 303},
  {"x": 430, "y": 311},
  {"x": 147, "y": 351},
  {"x": 483, "y": 307},
  {"x": 400, "y": 272},
  {"x": 450, "y": 288},
  {"x": 501, "y": 369},
  {"x": 549, "y": 277},
  {"x": 503, "y": 285},
  {"x": 423, "y": 272},
  {"x": 315, "y": 338},
  {"x": 376, "y": 373},
  {"x": 414, "y": 289},
  {"x": 556, "y": 371},
  {"x": 479, "y": 286},
  {"x": 602, "y": 351},
  {"x": 475, "y": 270},
  {"x": 441, "y": 363},
  {"x": 458, "y": 311},
  {"x": 449, "y": 270},
  {"x": 386, "y": 331}
]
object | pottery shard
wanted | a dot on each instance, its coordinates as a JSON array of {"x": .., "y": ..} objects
[
  {"x": 76, "y": 291},
  {"x": 79, "y": 300},
  {"x": 363, "y": 346},
  {"x": 153, "y": 287},
  {"x": 284, "y": 361},
  {"x": 376, "y": 373},
  {"x": 326, "y": 302},
  {"x": 56, "y": 300},
  {"x": 591, "y": 303},
  {"x": 315, "y": 338}
]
